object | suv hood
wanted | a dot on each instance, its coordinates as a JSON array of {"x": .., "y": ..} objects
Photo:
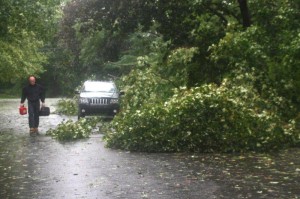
[{"x": 98, "y": 95}]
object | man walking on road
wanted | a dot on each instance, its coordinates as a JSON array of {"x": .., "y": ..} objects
[{"x": 33, "y": 93}]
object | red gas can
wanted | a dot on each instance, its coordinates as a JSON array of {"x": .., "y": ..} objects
[{"x": 23, "y": 110}]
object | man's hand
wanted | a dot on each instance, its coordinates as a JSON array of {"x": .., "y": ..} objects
[
  {"x": 43, "y": 105},
  {"x": 22, "y": 104}
]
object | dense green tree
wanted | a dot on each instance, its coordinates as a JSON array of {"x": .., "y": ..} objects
[
  {"x": 271, "y": 45},
  {"x": 197, "y": 23},
  {"x": 97, "y": 34},
  {"x": 25, "y": 26},
  {"x": 259, "y": 38}
]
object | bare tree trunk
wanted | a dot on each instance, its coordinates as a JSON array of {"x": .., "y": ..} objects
[{"x": 245, "y": 13}]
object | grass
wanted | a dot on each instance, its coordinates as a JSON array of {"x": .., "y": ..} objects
[{"x": 7, "y": 96}]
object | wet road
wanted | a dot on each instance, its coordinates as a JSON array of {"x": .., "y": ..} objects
[{"x": 40, "y": 167}]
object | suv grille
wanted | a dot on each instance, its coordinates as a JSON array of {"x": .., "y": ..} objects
[{"x": 100, "y": 101}]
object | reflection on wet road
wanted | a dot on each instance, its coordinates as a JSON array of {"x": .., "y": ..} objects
[{"x": 40, "y": 167}]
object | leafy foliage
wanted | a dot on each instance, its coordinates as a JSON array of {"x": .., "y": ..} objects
[
  {"x": 231, "y": 117},
  {"x": 67, "y": 106},
  {"x": 270, "y": 48},
  {"x": 70, "y": 130},
  {"x": 16, "y": 58},
  {"x": 153, "y": 80},
  {"x": 24, "y": 28}
]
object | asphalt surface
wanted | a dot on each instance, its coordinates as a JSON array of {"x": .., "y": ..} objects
[{"x": 40, "y": 167}]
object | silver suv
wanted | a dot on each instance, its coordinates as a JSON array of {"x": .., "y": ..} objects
[{"x": 98, "y": 98}]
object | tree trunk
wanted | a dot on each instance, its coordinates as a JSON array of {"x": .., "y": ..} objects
[{"x": 245, "y": 13}]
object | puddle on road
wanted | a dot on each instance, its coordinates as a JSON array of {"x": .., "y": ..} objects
[{"x": 40, "y": 167}]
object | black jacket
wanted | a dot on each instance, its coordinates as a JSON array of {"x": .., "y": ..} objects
[{"x": 33, "y": 93}]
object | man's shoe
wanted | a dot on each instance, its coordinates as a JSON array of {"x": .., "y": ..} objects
[
  {"x": 36, "y": 130},
  {"x": 31, "y": 131}
]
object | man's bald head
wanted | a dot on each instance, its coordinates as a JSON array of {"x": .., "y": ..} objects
[{"x": 31, "y": 80}]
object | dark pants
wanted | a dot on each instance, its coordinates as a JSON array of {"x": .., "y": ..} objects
[{"x": 33, "y": 111}]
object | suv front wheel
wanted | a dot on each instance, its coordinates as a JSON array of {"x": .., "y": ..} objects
[{"x": 80, "y": 114}]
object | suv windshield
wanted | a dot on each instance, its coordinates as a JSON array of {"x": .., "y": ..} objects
[{"x": 98, "y": 87}]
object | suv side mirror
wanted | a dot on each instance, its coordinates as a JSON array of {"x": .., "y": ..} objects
[
  {"x": 77, "y": 92},
  {"x": 122, "y": 93}
]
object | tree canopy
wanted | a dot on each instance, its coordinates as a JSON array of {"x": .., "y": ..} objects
[
  {"x": 100, "y": 35},
  {"x": 25, "y": 27}
]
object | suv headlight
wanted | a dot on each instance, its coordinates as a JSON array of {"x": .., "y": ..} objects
[
  {"x": 114, "y": 101},
  {"x": 83, "y": 101}
]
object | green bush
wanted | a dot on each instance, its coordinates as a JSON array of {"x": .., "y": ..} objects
[
  {"x": 230, "y": 117},
  {"x": 70, "y": 130},
  {"x": 67, "y": 107}
]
